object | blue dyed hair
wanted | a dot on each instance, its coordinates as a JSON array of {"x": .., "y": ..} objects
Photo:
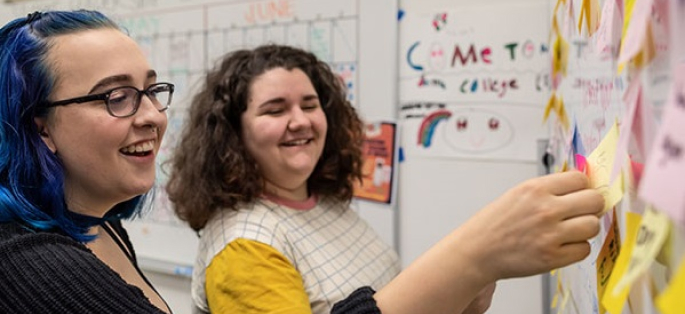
[{"x": 31, "y": 176}]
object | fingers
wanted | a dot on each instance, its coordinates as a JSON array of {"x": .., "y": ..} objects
[
  {"x": 572, "y": 253},
  {"x": 562, "y": 183},
  {"x": 574, "y": 233},
  {"x": 578, "y": 229},
  {"x": 583, "y": 202}
]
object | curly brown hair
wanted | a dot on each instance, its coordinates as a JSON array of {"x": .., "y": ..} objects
[{"x": 211, "y": 168}]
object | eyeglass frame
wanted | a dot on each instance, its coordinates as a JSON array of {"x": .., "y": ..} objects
[{"x": 105, "y": 97}]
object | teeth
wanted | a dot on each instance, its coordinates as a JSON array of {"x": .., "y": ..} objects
[
  {"x": 139, "y": 148},
  {"x": 298, "y": 142}
]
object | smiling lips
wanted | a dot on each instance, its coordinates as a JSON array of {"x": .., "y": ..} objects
[
  {"x": 297, "y": 142},
  {"x": 139, "y": 149}
]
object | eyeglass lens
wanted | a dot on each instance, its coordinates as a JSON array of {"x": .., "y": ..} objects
[{"x": 125, "y": 101}]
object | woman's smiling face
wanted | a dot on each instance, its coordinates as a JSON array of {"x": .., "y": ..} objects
[{"x": 96, "y": 149}]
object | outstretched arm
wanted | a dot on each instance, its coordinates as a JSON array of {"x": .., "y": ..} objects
[
  {"x": 539, "y": 225},
  {"x": 482, "y": 301}
]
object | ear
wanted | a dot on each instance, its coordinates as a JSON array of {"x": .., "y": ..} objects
[{"x": 41, "y": 124}]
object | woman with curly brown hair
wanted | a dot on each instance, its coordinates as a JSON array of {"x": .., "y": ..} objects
[{"x": 264, "y": 170}]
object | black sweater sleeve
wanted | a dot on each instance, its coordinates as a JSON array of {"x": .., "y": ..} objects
[
  {"x": 51, "y": 273},
  {"x": 360, "y": 301}
]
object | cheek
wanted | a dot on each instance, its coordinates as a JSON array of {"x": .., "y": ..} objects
[
  {"x": 163, "y": 123},
  {"x": 262, "y": 134},
  {"x": 162, "y": 127},
  {"x": 320, "y": 124}
]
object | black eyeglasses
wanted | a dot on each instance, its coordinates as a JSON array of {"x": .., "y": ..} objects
[{"x": 122, "y": 102}]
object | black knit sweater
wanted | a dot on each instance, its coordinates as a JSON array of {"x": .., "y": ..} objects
[{"x": 48, "y": 272}]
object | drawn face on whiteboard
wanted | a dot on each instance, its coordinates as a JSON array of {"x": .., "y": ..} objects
[
  {"x": 477, "y": 131},
  {"x": 436, "y": 57}
]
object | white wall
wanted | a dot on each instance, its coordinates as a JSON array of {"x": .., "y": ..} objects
[{"x": 174, "y": 289}]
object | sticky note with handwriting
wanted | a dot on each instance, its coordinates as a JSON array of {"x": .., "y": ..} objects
[
  {"x": 650, "y": 238},
  {"x": 670, "y": 300},
  {"x": 600, "y": 163},
  {"x": 613, "y": 301},
  {"x": 662, "y": 178}
]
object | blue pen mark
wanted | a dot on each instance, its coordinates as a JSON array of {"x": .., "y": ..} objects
[
  {"x": 186, "y": 271},
  {"x": 400, "y": 155},
  {"x": 400, "y": 14},
  {"x": 409, "y": 61}
]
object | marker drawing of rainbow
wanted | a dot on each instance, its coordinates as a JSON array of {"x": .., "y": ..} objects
[{"x": 428, "y": 126}]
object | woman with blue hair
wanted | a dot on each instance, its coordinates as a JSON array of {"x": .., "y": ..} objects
[{"x": 82, "y": 117}]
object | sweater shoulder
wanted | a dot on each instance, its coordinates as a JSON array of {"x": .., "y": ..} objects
[
  {"x": 16, "y": 238},
  {"x": 48, "y": 272}
]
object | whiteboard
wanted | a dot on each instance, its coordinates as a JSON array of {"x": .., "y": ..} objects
[
  {"x": 443, "y": 181},
  {"x": 183, "y": 39}
]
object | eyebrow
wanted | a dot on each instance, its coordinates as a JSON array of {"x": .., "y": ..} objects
[
  {"x": 119, "y": 78},
  {"x": 279, "y": 100},
  {"x": 276, "y": 100}
]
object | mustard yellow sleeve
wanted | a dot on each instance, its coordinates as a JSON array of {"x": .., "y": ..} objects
[{"x": 252, "y": 277}]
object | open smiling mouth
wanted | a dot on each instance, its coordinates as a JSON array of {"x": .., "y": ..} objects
[
  {"x": 297, "y": 143},
  {"x": 139, "y": 150}
]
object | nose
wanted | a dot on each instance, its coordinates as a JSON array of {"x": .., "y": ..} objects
[
  {"x": 298, "y": 119},
  {"x": 148, "y": 114}
]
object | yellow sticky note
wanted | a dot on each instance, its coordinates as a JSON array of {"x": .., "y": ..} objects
[
  {"x": 628, "y": 6},
  {"x": 561, "y": 112},
  {"x": 607, "y": 259},
  {"x": 566, "y": 296},
  {"x": 670, "y": 301},
  {"x": 555, "y": 300},
  {"x": 648, "y": 51},
  {"x": 600, "y": 163},
  {"x": 550, "y": 106},
  {"x": 637, "y": 43},
  {"x": 589, "y": 12},
  {"x": 613, "y": 302},
  {"x": 557, "y": 293},
  {"x": 665, "y": 255},
  {"x": 556, "y": 6},
  {"x": 556, "y": 104},
  {"x": 583, "y": 14},
  {"x": 555, "y": 29},
  {"x": 593, "y": 24},
  {"x": 650, "y": 239},
  {"x": 560, "y": 50}
]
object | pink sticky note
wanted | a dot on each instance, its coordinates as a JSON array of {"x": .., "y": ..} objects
[
  {"x": 619, "y": 6},
  {"x": 609, "y": 33},
  {"x": 581, "y": 164},
  {"x": 644, "y": 126},
  {"x": 662, "y": 180},
  {"x": 636, "y": 34},
  {"x": 661, "y": 8},
  {"x": 632, "y": 99},
  {"x": 637, "y": 169},
  {"x": 569, "y": 21}
]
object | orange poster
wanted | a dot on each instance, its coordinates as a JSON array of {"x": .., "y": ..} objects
[{"x": 379, "y": 161}]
